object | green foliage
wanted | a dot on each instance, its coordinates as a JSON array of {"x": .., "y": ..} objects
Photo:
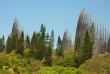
[
  {"x": 66, "y": 62},
  {"x": 22, "y": 40},
  {"x": 92, "y": 33},
  {"x": 8, "y": 45},
  {"x": 98, "y": 65},
  {"x": 42, "y": 41},
  {"x": 2, "y": 44},
  {"x": 78, "y": 52},
  {"x": 87, "y": 47},
  {"x": 59, "y": 70},
  {"x": 19, "y": 47},
  {"x": 52, "y": 39},
  {"x": 3, "y": 62},
  {"x": 46, "y": 72},
  {"x": 33, "y": 41},
  {"x": 59, "y": 50},
  {"x": 48, "y": 52},
  {"x": 78, "y": 44},
  {"x": 4, "y": 71},
  {"x": 27, "y": 53},
  {"x": 14, "y": 41},
  {"x": 27, "y": 41}
]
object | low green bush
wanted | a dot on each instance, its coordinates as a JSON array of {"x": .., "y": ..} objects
[
  {"x": 66, "y": 62},
  {"x": 4, "y": 71},
  {"x": 59, "y": 70},
  {"x": 27, "y": 53},
  {"x": 47, "y": 72}
]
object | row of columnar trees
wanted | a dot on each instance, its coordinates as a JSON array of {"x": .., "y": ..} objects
[{"x": 40, "y": 46}]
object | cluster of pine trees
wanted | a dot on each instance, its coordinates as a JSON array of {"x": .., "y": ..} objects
[
  {"x": 39, "y": 46},
  {"x": 85, "y": 51}
]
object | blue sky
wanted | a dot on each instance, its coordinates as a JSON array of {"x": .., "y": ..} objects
[{"x": 54, "y": 14}]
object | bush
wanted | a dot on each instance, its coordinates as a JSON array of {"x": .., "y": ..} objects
[
  {"x": 4, "y": 71},
  {"x": 47, "y": 72},
  {"x": 59, "y": 70},
  {"x": 27, "y": 53},
  {"x": 99, "y": 65},
  {"x": 66, "y": 62},
  {"x": 3, "y": 62}
]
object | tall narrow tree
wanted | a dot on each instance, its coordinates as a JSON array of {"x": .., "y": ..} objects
[
  {"x": 22, "y": 39},
  {"x": 52, "y": 39},
  {"x": 2, "y": 44},
  {"x": 48, "y": 52},
  {"x": 87, "y": 47},
  {"x": 33, "y": 41},
  {"x": 8, "y": 45},
  {"x": 59, "y": 50},
  {"x": 14, "y": 41},
  {"x": 42, "y": 41},
  {"x": 27, "y": 41},
  {"x": 19, "y": 48},
  {"x": 78, "y": 52}
]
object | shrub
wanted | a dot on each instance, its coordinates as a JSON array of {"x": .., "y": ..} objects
[
  {"x": 27, "y": 53},
  {"x": 4, "y": 71},
  {"x": 3, "y": 62},
  {"x": 66, "y": 62},
  {"x": 60, "y": 70},
  {"x": 99, "y": 65},
  {"x": 47, "y": 72}
]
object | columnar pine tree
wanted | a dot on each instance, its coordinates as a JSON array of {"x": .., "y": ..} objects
[
  {"x": 19, "y": 48},
  {"x": 14, "y": 41},
  {"x": 92, "y": 34},
  {"x": 78, "y": 52},
  {"x": 37, "y": 51},
  {"x": 87, "y": 47},
  {"x": 27, "y": 41},
  {"x": 22, "y": 39},
  {"x": 42, "y": 41},
  {"x": 59, "y": 50},
  {"x": 20, "y": 44},
  {"x": 33, "y": 41},
  {"x": 8, "y": 45},
  {"x": 48, "y": 52},
  {"x": 52, "y": 39},
  {"x": 2, "y": 44}
]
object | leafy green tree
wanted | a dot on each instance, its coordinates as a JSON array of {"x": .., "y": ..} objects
[
  {"x": 8, "y": 45},
  {"x": 14, "y": 41},
  {"x": 52, "y": 39},
  {"x": 59, "y": 50},
  {"x": 27, "y": 41}
]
